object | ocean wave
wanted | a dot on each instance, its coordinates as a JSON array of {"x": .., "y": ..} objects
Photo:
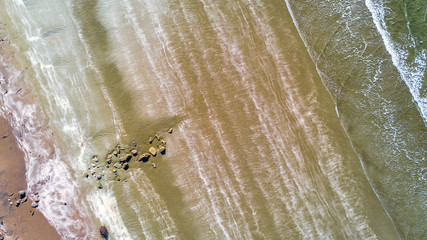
[
  {"x": 411, "y": 71},
  {"x": 48, "y": 178},
  {"x": 374, "y": 104}
]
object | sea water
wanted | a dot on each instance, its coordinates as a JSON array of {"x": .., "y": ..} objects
[{"x": 292, "y": 119}]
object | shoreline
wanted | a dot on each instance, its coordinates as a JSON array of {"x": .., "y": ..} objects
[
  {"x": 18, "y": 160},
  {"x": 23, "y": 222}
]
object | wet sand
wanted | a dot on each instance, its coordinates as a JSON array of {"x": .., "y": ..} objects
[
  {"x": 21, "y": 222},
  {"x": 24, "y": 222}
]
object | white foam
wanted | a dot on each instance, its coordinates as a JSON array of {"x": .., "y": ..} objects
[
  {"x": 46, "y": 174},
  {"x": 412, "y": 75},
  {"x": 72, "y": 106},
  {"x": 106, "y": 209}
]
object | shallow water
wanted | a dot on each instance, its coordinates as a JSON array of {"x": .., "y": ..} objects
[
  {"x": 257, "y": 151},
  {"x": 368, "y": 79}
]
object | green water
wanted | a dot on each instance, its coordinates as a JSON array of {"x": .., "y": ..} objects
[
  {"x": 373, "y": 102},
  {"x": 409, "y": 17}
]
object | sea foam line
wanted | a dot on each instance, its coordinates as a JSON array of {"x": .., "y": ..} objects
[
  {"x": 55, "y": 174},
  {"x": 45, "y": 172},
  {"x": 412, "y": 76}
]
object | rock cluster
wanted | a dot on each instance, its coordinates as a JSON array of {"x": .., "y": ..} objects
[
  {"x": 122, "y": 158},
  {"x": 22, "y": 198}
]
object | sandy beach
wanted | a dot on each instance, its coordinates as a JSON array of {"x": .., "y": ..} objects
[{"x": 23, "y": 222}]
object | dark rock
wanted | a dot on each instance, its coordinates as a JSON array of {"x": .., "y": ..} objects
[
  {"x": 134, "y": 152},
  {"x": 21, "y": 194},
  {"x": 86, "y": 175},
  {"x": 126, "y": 166},
  {"x": 162, "y": 149},
  {"x": 144, "y": 157},
  {"x": 34, "y": 204},
  {"x": 17, "y": 203},
  {"x": 104, "y": 232},
  {"x": 126, "y": 158}
]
